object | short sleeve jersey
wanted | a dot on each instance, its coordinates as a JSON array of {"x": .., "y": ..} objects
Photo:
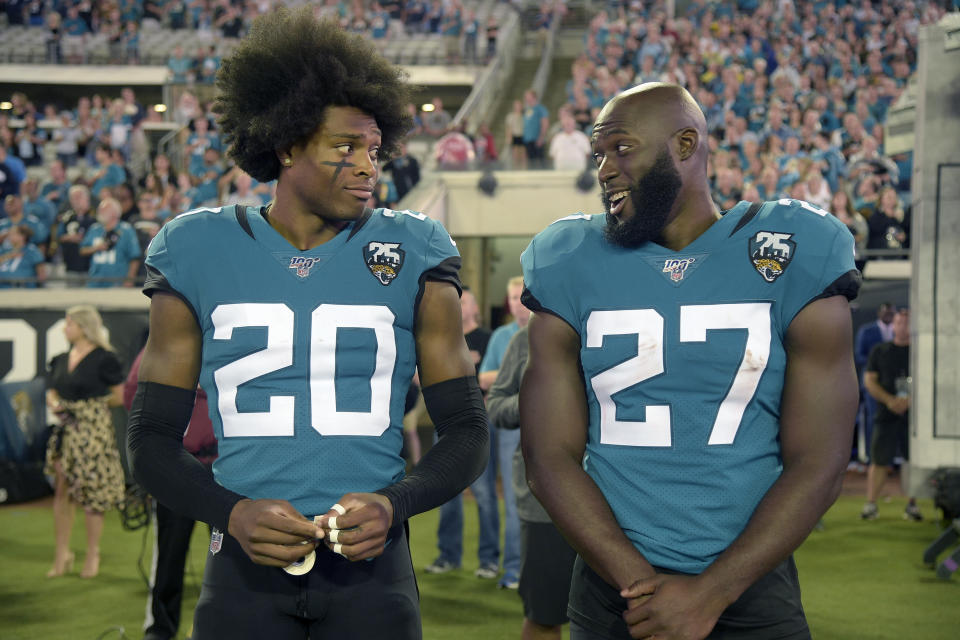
[
  {"x": 306, "y": 355},
  {"x": 683, "y": 361}
]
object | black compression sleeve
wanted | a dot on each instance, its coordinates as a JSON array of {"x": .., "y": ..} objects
[
  {"x": 458, "y": 457},
  {"x": 158, "y": 419}
]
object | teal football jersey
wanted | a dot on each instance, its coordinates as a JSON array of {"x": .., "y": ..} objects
[
  {"x": 683, "y": 362},
  {"x": 307, "y": 355}
]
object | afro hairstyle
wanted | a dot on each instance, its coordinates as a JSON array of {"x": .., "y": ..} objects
[{"x": 274, "y": 89}]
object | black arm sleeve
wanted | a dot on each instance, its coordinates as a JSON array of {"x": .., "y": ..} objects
[
  {"x": 158, "y": 419},
  {"x": 458, "y": 457}
]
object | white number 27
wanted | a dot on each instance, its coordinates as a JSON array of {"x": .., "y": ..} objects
[{"x": 647, "y": 326}]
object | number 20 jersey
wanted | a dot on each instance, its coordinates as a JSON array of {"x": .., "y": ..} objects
[
  {"x": 683, "y": 362},
  {"x": 307, "y": 355}
]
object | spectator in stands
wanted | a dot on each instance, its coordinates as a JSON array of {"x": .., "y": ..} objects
[
  {"x": 199, "y": 140},
  {"x": 111, "y": 25},
  {"x": 471, "y": 33},
  {"x": 888, "y": 228},
  {"x": 454, "y": 151},
  {"x": 237, "y": 188},
  {"x": 164, "y": 172},
  {"x": 56, "y": 188},
  {"x": 816, "y": 191},
  {"x": 536, "y": 121},
  {"x": 9, "y": 179},
  {"x": 842, "y": 207},
  {"x": 21, "y": 260},
  {"x": 36, "y": 205},
  {"x": 492, "y": 32},
  {"x": 405, "y": 171},
  {"x": 112, "y": 247},
  {"x": 110, "y": 173},
  {"x": 147, "y": 222},
  {"x": 13, "y": 207},
  {"x": 29, "y": 140},
  {"x": 123, "y": 193},
  {"x": 485, "y": 145},
  {"x": 187, "y": 108},
  {"x": 513, "y": 132},
  {"x": 208, "y": 64},
  {"x": 74, "y": 39},
  {"x": 726, "y": 190},
  {"x": 66, "y": 139},
  {"x": 866, "y": 194},
  {"x": 569, "y": 147},
  {"x": 73, "y": 226},
  {"x": 229, "y": 20},
  {"x": 131, "y": 42},
  {"x": 451, "y": 26},
  {"x": 437, "y": 121},
  {"x": 52, "y": 23},
  {"x": 180, "y": 67},
  {"x": 206, "y": 177}
]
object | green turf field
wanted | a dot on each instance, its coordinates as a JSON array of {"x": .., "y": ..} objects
[{"x": 861, "y": 581}]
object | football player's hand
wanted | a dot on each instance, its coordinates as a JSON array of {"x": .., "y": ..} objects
[
  {"x": 272, "y": 532},
  {"x": 361, "y": 531},
  {"x": 671, "y": 607}
]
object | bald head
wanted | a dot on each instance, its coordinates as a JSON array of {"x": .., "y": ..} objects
[
  {"x": 657, "y": 111},
  {"x": 670, "y": 105}
]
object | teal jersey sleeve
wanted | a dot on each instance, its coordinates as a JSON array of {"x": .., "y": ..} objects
[
  {"x": 823, "y": 260},
  {"x": 545, "y": 264},
  {"x": 442, "y": 259},
  {"x": 168, "y": 255}
]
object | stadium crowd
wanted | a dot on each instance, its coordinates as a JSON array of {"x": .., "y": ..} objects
[
  {"x": 796, "y": 95},
  {"x": 70, "y": 26}
]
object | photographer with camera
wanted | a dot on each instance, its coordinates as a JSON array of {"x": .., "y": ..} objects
[{"x": 113, "y": 248}]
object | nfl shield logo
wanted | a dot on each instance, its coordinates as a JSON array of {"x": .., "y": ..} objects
[
  {"x": 677, "y": 267},
  {"x": 303, "y": 265},
  {"x": 216, "y": 540},
  {"x": 384, "y": 259},
  {"x": 771, "y": 253}
]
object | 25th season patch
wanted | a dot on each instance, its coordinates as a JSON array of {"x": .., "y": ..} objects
[
  {"x": 771, "y": 253},
  {"x": 384, "y": 259}
]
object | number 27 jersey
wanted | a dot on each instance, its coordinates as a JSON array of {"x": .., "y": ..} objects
[
  {"x": 683, "y": 362},
  {"x": 306, "y": 355}
]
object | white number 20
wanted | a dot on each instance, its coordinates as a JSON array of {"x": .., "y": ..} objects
[
  {"x": 278, "y": 319},
  {"x": 647, "y": 326}
]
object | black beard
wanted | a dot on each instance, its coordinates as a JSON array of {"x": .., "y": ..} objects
[{"x": 653, "y": 198}]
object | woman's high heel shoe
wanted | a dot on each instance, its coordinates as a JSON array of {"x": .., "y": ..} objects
[
  {"x": 62, "y": 566},
  {"x": 91, "y": 565}
]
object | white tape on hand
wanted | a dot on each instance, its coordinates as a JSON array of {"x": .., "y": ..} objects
[
  {"x": 332, "y": 522},
  {"x": 334, "y": 535},
  {"x": 301, "y": 566},
  {"x": 339, "y": 508},
  {"x": 338, "y": 549}
]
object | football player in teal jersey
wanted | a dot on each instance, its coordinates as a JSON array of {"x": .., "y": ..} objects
[
  {"x": 687, "y": 408},
  {"x": 304, "y": 322}
]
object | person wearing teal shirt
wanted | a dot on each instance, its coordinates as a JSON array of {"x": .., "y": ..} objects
[
  {"x": 690, "y": 394},
  {"x": 113, "y": 248}
]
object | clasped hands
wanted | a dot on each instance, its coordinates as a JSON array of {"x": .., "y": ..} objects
[
  {"x": 274, "y": 533},
  {"x": 671, "y": 607}
]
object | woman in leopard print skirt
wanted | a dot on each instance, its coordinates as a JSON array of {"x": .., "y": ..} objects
[{"x": 82, "y": 453}]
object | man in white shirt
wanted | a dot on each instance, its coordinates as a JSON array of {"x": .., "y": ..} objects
[{"x": 570, "y": 147}]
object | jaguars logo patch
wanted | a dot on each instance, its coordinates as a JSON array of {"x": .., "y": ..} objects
[
  {"x": 771, "y": 253},
  {"x": 384, "y": 259}
]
